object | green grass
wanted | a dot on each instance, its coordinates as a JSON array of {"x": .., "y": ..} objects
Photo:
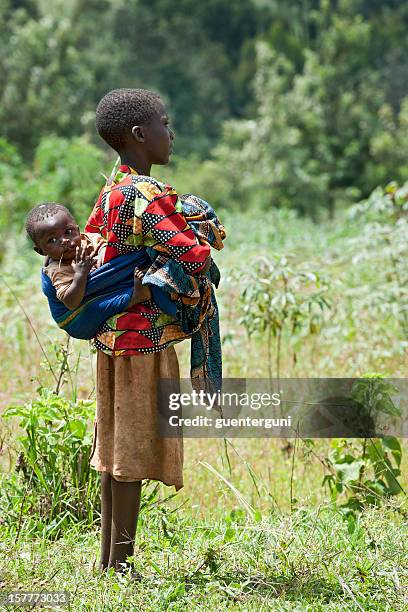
[
  {"x": 304, "y": 561},
  {"x": 201, "y": 550}
]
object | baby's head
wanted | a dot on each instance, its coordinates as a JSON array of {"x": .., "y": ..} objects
[{"x": 53, "y": 230}]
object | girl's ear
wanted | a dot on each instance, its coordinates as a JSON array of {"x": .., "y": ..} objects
[
  {"x": 138, "y": 133},
  {"x": 38, "y": 250}
]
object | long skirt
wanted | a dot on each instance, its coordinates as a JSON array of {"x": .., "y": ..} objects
[{"x": 126, "y": 443}]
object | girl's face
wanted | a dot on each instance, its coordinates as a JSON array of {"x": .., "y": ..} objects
[
  {"x": 58, "y": 237},
  {"x": 159, "y": 137}
]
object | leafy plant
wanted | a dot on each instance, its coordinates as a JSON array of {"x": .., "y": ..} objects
[
  {"x": 367, "y": 470},
  {"x": 279, "y": 297},
  {"x": 384, "y": 238},
  {"x": 54, "y": 486},
  {"x": 385, "y": 204}
]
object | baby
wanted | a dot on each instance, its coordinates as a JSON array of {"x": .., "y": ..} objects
[{"x": 70, "y": 254}]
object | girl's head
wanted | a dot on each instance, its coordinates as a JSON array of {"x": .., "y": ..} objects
[
  {"x": 53, "y": 230},
  {"x": 131, "y": 120}
]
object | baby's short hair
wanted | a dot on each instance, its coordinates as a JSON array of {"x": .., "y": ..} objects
[
  {"x": 40, "y": 213},
  {"x": 121, "y": 109}
]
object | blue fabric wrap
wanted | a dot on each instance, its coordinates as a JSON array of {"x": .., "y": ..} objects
[
  {"x": 108, "y": 292},
  {"x": 163, "y": 301}
]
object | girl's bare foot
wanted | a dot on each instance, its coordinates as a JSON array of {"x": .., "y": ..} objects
[{"x": 141, "y": 293}]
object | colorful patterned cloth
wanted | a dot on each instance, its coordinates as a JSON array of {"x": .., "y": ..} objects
[
  {"x": 197, "y": 310},
  {"x": 134, "y": 211}
]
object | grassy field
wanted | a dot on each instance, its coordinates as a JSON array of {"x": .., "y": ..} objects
[
  {"x": 304, "y": 561},
  {"x": 263, "y": 534}
]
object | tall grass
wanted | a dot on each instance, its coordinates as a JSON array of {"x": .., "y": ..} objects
[{"x": 254, "y": 531}]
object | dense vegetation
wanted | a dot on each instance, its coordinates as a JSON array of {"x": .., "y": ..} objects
[{"x": 301, "y": 103}]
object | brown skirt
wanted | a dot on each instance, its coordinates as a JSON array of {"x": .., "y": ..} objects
[{"x": 125, "y": 439}]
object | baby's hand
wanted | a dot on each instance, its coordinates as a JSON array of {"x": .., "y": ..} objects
[{"x": 83, "y": 262}]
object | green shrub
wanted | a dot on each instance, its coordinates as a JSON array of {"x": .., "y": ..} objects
[
  {"x": 68, "y": 171},
  {"x": 54, "y": 486}
]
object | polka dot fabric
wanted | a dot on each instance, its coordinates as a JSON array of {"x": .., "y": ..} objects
[{"x": 133, "y": 211}]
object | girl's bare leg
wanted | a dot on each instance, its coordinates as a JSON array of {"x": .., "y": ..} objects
[
  {"x": 125, "y": 512},
  {"x": 106, "y": 519}
]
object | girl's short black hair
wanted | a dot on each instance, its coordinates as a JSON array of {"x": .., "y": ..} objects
[
  {"x": 40, "y": 213},
  {"x": 121, "y": 109}
]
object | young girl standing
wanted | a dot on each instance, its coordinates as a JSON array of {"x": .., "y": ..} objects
[{"x": 134, "y": 348}]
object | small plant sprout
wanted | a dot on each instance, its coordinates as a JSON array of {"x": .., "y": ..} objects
[{"x": 280, "y": 299}]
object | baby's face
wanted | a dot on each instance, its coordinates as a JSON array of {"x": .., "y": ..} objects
[{"x": 58, "y": 237}]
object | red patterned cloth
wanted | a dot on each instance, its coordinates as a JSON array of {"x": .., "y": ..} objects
[{"x": 135, "y": 211}]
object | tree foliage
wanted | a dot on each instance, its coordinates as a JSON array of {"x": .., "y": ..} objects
[
  {"x": 325, "y": 130},
  {"x": 300, "y": 103},
  {"x": 59, "y": 58}
]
